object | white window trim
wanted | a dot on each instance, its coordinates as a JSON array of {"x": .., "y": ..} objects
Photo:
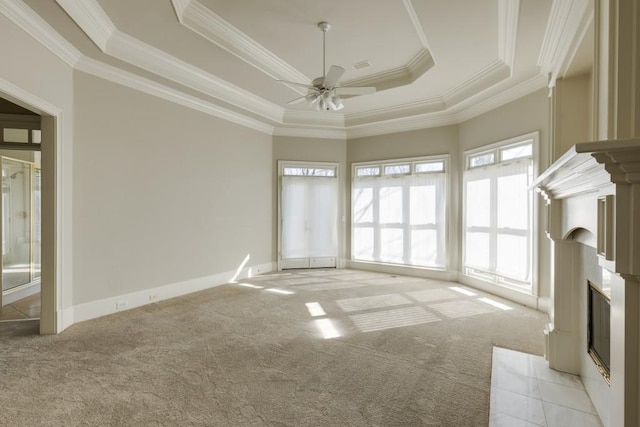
[
  {"x": 445, "y": 158},
  {"x": 535, "y": 222}
]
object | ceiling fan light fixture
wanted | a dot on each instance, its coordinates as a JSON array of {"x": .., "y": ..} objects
[{"x": 336, "y": 101}]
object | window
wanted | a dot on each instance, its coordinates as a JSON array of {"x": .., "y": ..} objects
[
  {"x": 498, "y": 213},
  {"x": 398, "y": 216},
  {"x": 307, "y": 171}
]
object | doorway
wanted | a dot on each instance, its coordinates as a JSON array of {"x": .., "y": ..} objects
[
  {"x": 308, "y": 215},
  {"x": 20, "y": 214}
]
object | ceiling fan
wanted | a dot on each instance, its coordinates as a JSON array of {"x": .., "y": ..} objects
[{"x": 323, "y": 92}]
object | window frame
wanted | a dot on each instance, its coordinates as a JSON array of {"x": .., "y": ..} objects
[
  {"x": 497, "y": 148},
  {"x": 444, "y": 159}
]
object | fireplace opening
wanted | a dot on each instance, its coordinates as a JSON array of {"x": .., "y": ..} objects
[{"x": 599, "y": 330}]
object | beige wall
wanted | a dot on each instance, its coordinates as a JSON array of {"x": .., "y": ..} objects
[
  {"x": 162, "y": 194},
  {"x": 310, "y": 150},
  {"x": 424, "y": 142},
  {"x": 572, "y": 113},
  {"x": 527, "y": 114}
]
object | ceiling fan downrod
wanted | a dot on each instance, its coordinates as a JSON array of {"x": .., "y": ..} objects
[{"x": 324, "y": 26}]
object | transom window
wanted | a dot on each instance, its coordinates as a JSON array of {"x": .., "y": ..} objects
[
  {"x": 398, "y": 212},
  {"x": 309, "y": 171}
]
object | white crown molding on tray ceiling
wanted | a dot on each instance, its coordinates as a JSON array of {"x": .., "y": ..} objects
[
  {"x": 203, "y": 21},
  {"x": 93, "y": 20},
  {"x": 24, "y": 17},
  {"x": 419, "y": 114},
  {"x": 568, "y": 22},
  {"x": 150, "y": 87}
]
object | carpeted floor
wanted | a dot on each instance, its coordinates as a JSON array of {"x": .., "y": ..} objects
[{"x": 410, "y": 352}]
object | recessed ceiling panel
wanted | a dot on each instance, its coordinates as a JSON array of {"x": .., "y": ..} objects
[{"x": 380, "y": 32}]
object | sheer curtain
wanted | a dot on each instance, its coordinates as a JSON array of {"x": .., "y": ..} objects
[
  {"x": 400, "y": 219},
  {"x": 309, "y": 211},
  {"x": 498, "y": 219}
]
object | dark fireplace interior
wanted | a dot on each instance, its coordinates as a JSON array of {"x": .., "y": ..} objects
[{"x": 599, "y": 329}]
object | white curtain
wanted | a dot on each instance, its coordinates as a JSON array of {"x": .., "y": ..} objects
[
  {"x": 400, "y": 219},
  {"x": 309, "y": 210},
  {"x": 498, "y": 219}
]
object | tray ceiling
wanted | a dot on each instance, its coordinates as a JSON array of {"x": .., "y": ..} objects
[{"x": 433, "y": 62}]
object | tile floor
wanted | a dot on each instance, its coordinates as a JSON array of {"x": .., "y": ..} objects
[
  {"x": 24, "y": 309},
  {"x": 526, "y": 392}
]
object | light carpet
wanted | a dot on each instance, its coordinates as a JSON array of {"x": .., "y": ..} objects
[{"x": 252, "y": 354}]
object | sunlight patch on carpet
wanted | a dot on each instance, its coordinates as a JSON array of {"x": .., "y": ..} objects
[
  {"x": 433, "y": 295},
  {"x": 365, "y": 303},
  {"x": 396, "y": 318},
  {"x": 496, "y": 304},
  {"x": 463, "y": 291},
  {"x": 315, "y": 309},
  {"x": 456, "y": 309},
  {"x": 327, "y": 328}
]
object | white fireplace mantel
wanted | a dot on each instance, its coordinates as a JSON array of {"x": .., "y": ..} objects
[
  {"x": 595, "y": 186},
  {"x": 598, "y": 168}
]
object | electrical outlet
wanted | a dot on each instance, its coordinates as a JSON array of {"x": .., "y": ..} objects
[
  {"x": 120, "y": 305},
  {"x": 153, "y": 298}
]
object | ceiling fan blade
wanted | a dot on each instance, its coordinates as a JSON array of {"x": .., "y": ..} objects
[
  {"x": 306, "y": 86},
  {"x": 297, "y": 100},
  {"x": 362, "y": 90},
  {"x": 333, "y": 76}
]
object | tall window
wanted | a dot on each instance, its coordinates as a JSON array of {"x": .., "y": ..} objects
[
  {"x": 398, "y": 212},
  {"x": 498, "y": 212}
]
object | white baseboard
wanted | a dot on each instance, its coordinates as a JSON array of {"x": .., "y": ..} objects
[
  {"x": 514, "y": 295},
  {"x": 106, "y": 306},
  {"x": 20, "y": 292},
  {"x": 65, "y": 319},
  {"x": 427, "y": 273}
]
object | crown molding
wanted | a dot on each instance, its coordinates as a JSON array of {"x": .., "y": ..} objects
[
  {"x": 453, "y": 108},
  {"x": 92, "y": 19},
  {"x": 201, "y": 20},
  {"x": 30, "y": 22},
  {"x": 493, "y": 73},
  {"x": 150, "y": 87},
  {"x": 567, "y": 20},
  {"x": 417, "y": 25},
  {"x": 310, "y": 132},
  {"x": 180, "y": 6},
  {"x": 88, "y": 15},
  {"x": 582, "y": 32},
  {"x": 508, "y": 16},
  {"x": 476, "y": 106},
  {"x": 314, "y": 118},
  {"x": 400, "y": 76},
  {"x": 402, "y": 124},
  {"x": 488, "y": 76},
  {"x": 423, "y": 106},
  {"x": 147, "y": 57}
]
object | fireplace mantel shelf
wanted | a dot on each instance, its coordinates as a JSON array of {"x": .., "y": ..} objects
[{"x": 589, "y": 166}]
